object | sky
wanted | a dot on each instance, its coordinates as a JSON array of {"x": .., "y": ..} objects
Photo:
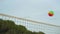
[{"x": 32, "y": 9}]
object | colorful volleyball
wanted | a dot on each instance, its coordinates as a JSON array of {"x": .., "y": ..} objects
[{"x": 50, "y": 13}]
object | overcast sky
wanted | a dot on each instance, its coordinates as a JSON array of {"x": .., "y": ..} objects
[{"x": 32, "y": 9}]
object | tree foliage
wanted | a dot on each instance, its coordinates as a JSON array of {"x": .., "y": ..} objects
[{"x": 9, "y": 27}]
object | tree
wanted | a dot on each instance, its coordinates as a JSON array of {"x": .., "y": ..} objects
[
  {"x": 5, "y": 25},
  {"x": 14, "y": 31},
  {"x": 41, "y": 33},
  {"x": 9, "y": 27},
  {"x": 28, "y": 32},
  {"x": 21, "y": 28}
]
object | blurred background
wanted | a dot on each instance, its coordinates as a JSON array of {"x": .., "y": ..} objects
[{"x": 32, "y": 9}]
